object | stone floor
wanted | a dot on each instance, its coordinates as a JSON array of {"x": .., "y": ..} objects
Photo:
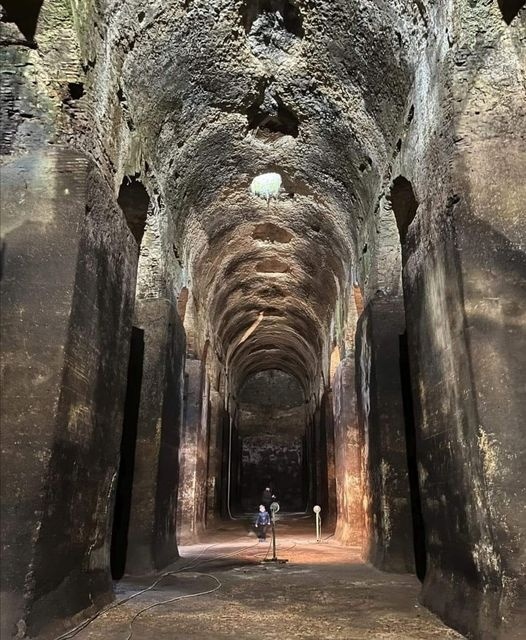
[{"x": 323, "y": 592}]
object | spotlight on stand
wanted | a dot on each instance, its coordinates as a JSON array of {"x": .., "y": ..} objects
[
  {"x": 317, "y": 510},
  {"x": 274, "y": 508}
]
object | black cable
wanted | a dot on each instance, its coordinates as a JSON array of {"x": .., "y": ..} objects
[
  {"x": 71, "y": 633},
  {"x": 174, "y": 599}
]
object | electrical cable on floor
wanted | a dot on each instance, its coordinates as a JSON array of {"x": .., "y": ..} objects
[
  {"x": 278, "y": 549},
  {"x": 170, "y": 600},
  {"x": 71, "y": 633},
  {"x": 199, "y": 555},
  {"x": 294, "y": 544},
  {"x": 222, "y": 556}
]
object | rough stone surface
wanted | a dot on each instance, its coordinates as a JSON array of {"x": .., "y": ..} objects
[
  {"x": 67, "y": 286},
  {"x": 152, "y": 528},
  {"x": 348, "y": 447},
  {"x": 133, "y": 132},
  {"x": 324, "y": 591},
  {"x": 390, "y": 544},
  {"x": 192, "y": 455}
]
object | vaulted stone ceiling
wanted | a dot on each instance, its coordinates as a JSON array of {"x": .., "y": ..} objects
[
  {"x": 148, "y": 279},
  {"x": 221, "y": 92}
]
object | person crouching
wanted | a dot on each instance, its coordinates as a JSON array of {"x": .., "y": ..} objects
[{"x": 262, "y": 523}]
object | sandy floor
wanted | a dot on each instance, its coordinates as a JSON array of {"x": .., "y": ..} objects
[{"x": 323, "y": 592}]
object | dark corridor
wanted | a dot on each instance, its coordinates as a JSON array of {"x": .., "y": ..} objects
[
  {"x": 123, "y": 496},
  {"x": 419, "y": 538}
]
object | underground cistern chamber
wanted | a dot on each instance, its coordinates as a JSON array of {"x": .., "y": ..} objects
[{"x": 263, "y": 320}]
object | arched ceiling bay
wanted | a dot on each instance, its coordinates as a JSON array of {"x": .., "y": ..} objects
[{"x": 216, "y": 105}]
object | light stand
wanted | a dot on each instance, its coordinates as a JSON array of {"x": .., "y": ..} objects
[
  {"x": 274, "y": 508},
  {"x": 317, "y": 510}
]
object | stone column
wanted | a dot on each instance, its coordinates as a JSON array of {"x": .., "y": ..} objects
[
  {"x": 329, "y": 477},
  {"x": 388, "y": 522},
  {"x": 215, "y": 449},
  {"x": 224, "y": 463},
  {"x": 318, "y": 467},
  {"x": 348, "y": 453},
  {"x": 152, "y": 529},
  {"x": 192, "y": 457},
  {"x": 310, "y": 463},
  {"x": 69, "y": 267},
  {"x": 464, "y": 283}
]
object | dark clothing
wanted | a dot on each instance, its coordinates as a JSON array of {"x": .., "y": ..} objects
[
  {"x": 266, "y": 499},
  {"x": 263, "y": 518},
  {"x": 262, "y": 523},
  {"x": 262, "y": 531}
]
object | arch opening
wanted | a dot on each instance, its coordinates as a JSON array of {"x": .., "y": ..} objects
[
  {"x": 271, "y": 426},
  {"x": 134, "y": 202},
  {"x": 284, "y": 14},
  {"x": 510, "y": 9},
  {"x": 123, "y": 496},
  {"x": 404, "y": 205}
]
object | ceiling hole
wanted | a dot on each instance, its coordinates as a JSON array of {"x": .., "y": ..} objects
[
  {"x": 271, "y": 116},
  {"x": 134, "y": 201},
  {"x": 287, "y": 14},
  {"x": 404, "y": 204},
  {"x": 366, "y": 164},
  {"x": 76, "y": 90},
  {"x": 266, "y": 185},
  {"x": 23, "y": 14},
  {"x": 510, "y": 8}
]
